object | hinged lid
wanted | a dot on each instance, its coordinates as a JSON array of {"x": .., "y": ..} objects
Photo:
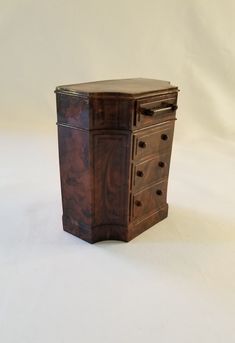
[
  {"x": 128, "y": 88},
  {"x": 111, "y": 104}
]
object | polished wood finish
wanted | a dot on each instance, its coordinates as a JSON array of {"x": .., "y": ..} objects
[
  {"x": 152, "y": 141},
  {"x": 126, "y": 87},
  {"x": 165, "y": 106},
  {"x": 148, "y": 200},
  {"x": 111, "y": 160},
  {"x": 115, "y": 139},
  {"x": 151, "y": 170}
]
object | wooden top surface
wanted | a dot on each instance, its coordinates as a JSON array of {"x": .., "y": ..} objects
[{"x": 128, "y": 87}]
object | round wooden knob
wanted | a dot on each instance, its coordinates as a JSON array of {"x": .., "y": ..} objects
[
  {"x": 158, "y": 192},
  {"x": 174, "y": 107},
  {"x": 161, "y": 164},
  {"x": 164, "y": 137},
  {"x": 139, "y": 173},
  {"x": 138, "y": 203},
  {"x": 142, "y": 144}
]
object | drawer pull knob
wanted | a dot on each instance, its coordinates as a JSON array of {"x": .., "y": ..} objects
[
  {"x": 159, "y": 192},
  {"x": 174, "y": 107},
  {"x": 139, "y": 173},
  {"x": 142, "y": 144},
  {"x": 161, "y": 164},
  {"x": 164, "y": 137},
  {"x": 138, "y": 203},
  {"x": 153, "y": 111}
]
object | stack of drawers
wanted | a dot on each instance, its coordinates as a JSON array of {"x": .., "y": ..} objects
[
  {"x": 152, "y": 145},
  {"x": 115, "y": 141}
]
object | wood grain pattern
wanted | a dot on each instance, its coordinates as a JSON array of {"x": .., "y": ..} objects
[
  {"x": 149, "y": 200},
  {"x": 114, "y": 159},
  {"x": 160, "y": 102},
  {"x": 151, "y": 170},
  {"x": 109, "y": 113},
  {"x": 153, "y": 141},
  {"x": 73, "y": 110},
  {"x": 75, "y": 173},
  {"x": 111, "y": 176}
]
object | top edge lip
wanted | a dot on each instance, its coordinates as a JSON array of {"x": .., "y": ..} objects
[
  {"x": 68, "y": 89},
  {"x": 62, "y": 90},
  {"x": 114, "y": 80}
]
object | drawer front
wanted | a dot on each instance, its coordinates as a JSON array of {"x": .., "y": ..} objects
[
  {"x": 151, "y": 171},
  {"x": 149, "y": 200},
  {"x": 153, "y": 141},
  {"x": 151, "y": 111}
]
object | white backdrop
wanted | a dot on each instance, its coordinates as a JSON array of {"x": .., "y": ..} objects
[{"x": 175, "y": 282}]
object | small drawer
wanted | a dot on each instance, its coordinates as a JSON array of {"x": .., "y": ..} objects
[
  {"x": 153, "y": 141},
  {"x": 151, "y": 171},
  {"x": 151, "y": 111},
  {"x": 150, "y": 200}
]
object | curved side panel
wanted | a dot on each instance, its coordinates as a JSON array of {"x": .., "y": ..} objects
[{"x": 75, "y": 174}]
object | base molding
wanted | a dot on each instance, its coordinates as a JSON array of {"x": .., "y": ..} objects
[
  {"x": 93, "y": 234},
  {"x": 137, "y": 227},
  {"x": 76, "y": 229}
]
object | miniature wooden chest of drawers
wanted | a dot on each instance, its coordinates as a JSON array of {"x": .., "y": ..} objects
[{"x": 115, "y": 140}]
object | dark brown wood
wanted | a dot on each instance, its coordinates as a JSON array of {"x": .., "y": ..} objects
[
  {"x": 115, "y": 139},
  {"x": 126, "y": 87},
  {"x": 152, "y": 141},
  {"x": 151, "y": 171},
  {"x": 146, "y": 201},
  {"x": 111, "y": 160},
  {"x": 165, "y": 106},
  {"x": 73, "y": 110},
  {"x": 111, "y": 113}
]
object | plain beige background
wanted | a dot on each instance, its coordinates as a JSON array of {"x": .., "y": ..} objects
[{"x": 175, "y": 282}]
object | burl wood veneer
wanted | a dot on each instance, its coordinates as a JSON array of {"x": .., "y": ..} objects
[{"x": 115, "y": 140}]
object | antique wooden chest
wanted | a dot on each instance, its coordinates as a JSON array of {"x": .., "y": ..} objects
[{"x": 115, "y": 140}]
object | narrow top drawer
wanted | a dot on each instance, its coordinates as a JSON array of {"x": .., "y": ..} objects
[
  {"x": 153, "y": 110},
  {"x": 118, "y": 104}
]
